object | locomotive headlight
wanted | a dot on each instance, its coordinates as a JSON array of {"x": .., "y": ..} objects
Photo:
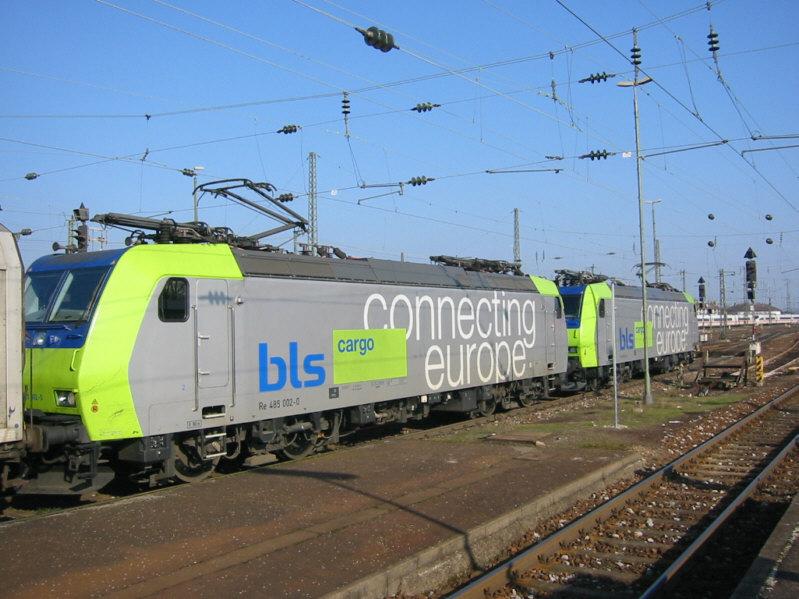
[
  {"x": 572, "y": 349},
  {"x": 65, "y": 399},
  {"x": 39, "y": 339}
]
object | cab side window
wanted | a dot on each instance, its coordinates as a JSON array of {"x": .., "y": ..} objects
[{"x": 173, "y": 303}]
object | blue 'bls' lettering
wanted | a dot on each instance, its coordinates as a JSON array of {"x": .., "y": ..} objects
[
  {"x": 626, "y": 339},
  {"x": 275, "y": 366}
]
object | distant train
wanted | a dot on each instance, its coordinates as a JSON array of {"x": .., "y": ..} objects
[
  {"x": 672, "y": 333},
  {"x": 166, "y": 360}
]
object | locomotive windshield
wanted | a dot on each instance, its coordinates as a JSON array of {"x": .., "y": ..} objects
[
  {"x": 572, "y": 305},
  {"x": 65, "y": 296}
]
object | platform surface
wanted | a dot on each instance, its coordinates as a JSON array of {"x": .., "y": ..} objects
[{"x": 300, "y": 529}]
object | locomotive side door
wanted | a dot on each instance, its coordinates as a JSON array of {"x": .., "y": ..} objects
[
  {"x": 212, "y": 327},
  {"x": 550, "y": 314}
]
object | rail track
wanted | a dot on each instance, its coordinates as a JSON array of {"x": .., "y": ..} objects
[{"x": 637, "y": 543}]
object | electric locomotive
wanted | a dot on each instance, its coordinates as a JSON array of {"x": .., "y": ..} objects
[
  {"x": 165, "y": 360},
  {"x": 672, "y": 331}
]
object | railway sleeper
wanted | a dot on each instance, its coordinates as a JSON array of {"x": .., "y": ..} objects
[
  {"x": 615, "y": 558},
  {"x": 635, "y": 545},
  {"x": 592, "y": 575},
  {"x": 572, "y": 589}
]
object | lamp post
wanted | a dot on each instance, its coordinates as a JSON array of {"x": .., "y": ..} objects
[
  {"x": 192, "y": 172},
  {"x": 636, "y": 60}
]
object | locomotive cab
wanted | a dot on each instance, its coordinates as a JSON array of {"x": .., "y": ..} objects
[{"x": 61, "y": 294}]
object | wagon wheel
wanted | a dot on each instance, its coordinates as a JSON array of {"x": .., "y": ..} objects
[
  {"x": 297, "y": 445},
  {"x": 189, "y": 465},
  {"x": 526, "y": 399}
]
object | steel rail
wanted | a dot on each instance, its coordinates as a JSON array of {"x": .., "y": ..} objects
[
  {"x": 506, "y": 572},
  {"x": 673, "y": 570}
]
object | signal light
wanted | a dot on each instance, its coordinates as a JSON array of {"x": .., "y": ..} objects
[
  {"x": 81, "y": 235},
  {"x": 414, "y": 181},
  {"x": 751, "y": 272},
  {"x": 378, "y": 39},
  {"x": 425, "y": 107},
  {"x": 701, "y": 292},
  {"x": 287, "y": 129}
]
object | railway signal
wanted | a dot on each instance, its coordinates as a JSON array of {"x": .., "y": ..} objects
[
  {"x": 81, "y": 232},
  {"x": 751, "y": 274},
  {"x": 701, "y": 292}
]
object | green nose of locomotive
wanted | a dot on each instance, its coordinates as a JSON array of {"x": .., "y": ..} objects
[{"x": 62, "y": 294}]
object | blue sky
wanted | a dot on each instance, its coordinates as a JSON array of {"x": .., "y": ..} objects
[{"x": 80, "y": 76}]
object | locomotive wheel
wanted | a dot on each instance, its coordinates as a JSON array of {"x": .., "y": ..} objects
[
  {"x": 189, "y": 466},
  {"x": 486, "y": 407},
  {"x": 298, "y": 445},
  {"x": 525, "y": 400}
]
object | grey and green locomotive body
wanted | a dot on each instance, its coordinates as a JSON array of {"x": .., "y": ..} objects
[{"x": 185, "y": 355}]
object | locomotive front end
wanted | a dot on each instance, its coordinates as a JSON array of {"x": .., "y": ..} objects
[{"x": 61, "y": 299}]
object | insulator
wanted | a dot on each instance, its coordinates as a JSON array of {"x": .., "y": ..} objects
[
  {"x": 769, "y": 217},
  {"x": 285, "y": 197},
  {"x": 345, "y": 104},
  {"x": 414, "y": 181},
  {"x": 31, "y": 176},
  {"x": 711, "y": 244},
  {"x": 287, "y": 129},
  {"x": 769, "y": 240},
  {"x": 596, "y": 78},
  {"x": 597, "y": 154},
  {"x": 425, "y": 107},
  {"x": 635, "y": 53},
  {"x": 711, "y": 216},
  {"x": 377, "y": 38},
  {"x": 713, "y": 40}
]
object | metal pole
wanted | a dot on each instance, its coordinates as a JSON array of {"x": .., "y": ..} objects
[
  {"x": 313, "y": 235},
  {"x": 644, "y": 306},
  {"x": 615, "y": 372},
  {"x": 194, "y": 196},
  {"x": 723, "y": 298},
  {"x": 655, "y": 244}
]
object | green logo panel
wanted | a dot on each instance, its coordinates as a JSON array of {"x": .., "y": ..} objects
[
  {"x": 369, "y": 355},
  {"x": 639, "y": 334}
]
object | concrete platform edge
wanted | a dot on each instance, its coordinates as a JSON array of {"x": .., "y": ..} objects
[
  {"x": 771, "y": 554},
  {"x": 482, "y": 545}
]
